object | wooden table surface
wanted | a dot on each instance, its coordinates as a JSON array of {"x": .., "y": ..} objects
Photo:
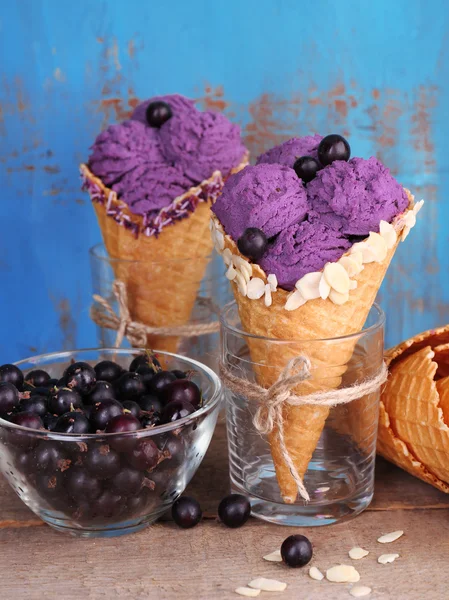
[{"x": 210, "y": 561}]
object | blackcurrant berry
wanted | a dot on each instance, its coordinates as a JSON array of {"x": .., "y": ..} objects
[
  {"x": 333, "y": 147},
  {"x": 252, "y": 243}
]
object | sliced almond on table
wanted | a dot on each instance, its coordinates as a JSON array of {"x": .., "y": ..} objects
[
  {"x": 343, "y": 574},
  {"x": 357, "y": 553},
  {"x": 273, "y": 556},
  {"x": 315, "y": 573},
  {"x": 390, "y": 537},
  {"x": 387, "y": 558},
  {"x": 267, "y": 585},
  {"x": 247, "y": 591},
  {"x": 359, "y": 591}
]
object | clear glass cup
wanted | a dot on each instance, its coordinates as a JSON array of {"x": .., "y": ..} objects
[
  {"x": 204, "y": 290},
  {"x": 55, "y": 474},
  {"x": 340, "y": 475}
]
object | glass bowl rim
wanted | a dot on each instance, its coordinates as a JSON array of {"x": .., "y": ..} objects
[
  {"x": 226, "y": 327},
  {"x": 95, "y": 254},
  {"x": 140, "y": 433}
]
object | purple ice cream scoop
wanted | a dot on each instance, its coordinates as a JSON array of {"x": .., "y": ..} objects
[
  {"x": 269, "y": 197},
  {"x": 121, "y": 148},
  {"x": 201, "y": 143},
  {"x": 300, "y": 249},
  {"x": 289, "y": 151},
  {"x": 147, "y": 188},
  {"x": 180, "y": 105},
  {"x": 353, "y": 197}
]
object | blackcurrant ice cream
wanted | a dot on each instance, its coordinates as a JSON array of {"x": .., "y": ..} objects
[
  {"x": 267, "y": 196},
  {"x": 287, "y": 153},
  {"x": 300, "y": 249},
  {"x": 353, "y": 197}
]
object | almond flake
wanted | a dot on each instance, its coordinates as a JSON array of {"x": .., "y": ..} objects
[
  {"x": 337, "y": 277},
  {"x": 359, "y": 591},
  {"x": 247, "y": 591},
  {"x": 352, "y": 266},
  {"x": 267, "y": 585},
  {"x": 268, "y": 297},
  {"x": 342, "y": 574},
  {"x": 227, "y": 256},
  {"x": 357, "y": 553},
  {"x": 316, "y": 574},
  {"x": 309, "y": 286},
  {"x": 294, "y": 301},
  {"x": 390, "y": 537},
  {"x": 273, "y": 556},
  {"x": 241, "y": 283},
  {"x": 324, "y": 288},
  {"x": 273, "y": 281},
  {"x": 378, "y": 245},
  {"x": 368, "y": 255},
  {"x": 219, "y": 238},
  {"x": 255, "y": 288},
  {"x": 231, "y": 273},
  {"x": 244, "y": 266},
  {"x": 387, "y": 558},
  {"x": 388, "y": 232},
  {"x": 338, "y": 298}
]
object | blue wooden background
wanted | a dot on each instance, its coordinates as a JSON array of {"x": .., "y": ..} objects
[{"x": 378, "y": 72}]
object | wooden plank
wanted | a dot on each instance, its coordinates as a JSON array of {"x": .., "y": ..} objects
[
  {"x": 394, "y": 490},
  {"x": 210, "y": 561}
]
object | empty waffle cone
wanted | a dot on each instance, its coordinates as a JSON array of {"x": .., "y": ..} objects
[
  {"x": 315, "y": 320},
  {"x": 414, "y": 423},
  {"x": 162, "y": 273}
]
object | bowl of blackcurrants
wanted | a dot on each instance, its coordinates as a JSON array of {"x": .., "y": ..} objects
[{"x": 102, "y": 442}]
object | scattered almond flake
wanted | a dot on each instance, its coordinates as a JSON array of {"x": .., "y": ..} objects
[
  {"x": 309, "y": 286},
  {"x": 227, "y": 256},
  {"x": 267, "y": 585},
  {"x": 219, "y": 237},
  {"x": 353, "y": 284},
  {"x": 268, "y": 298},
  {"x": 273, "y": 281},
  {"x": 387, "y": 558},
  {"x": 294, "y": 301},
  {"x": 337, "y": 277},
  {"x": 351, "y": 265},
  {"x": 338, "y": 298},
  {"x": 357, "y": 553},
  {"x": 388, "y": 232},
  {"x": 378, "y": 246},
  {"x": 390, "y": 537},
  {"x": 359, "y": 591},
  {"x": 273, "y": 556},
  {"x": 343, "y": 574},
  {"x": 241, "y": 283},
  {"x": 247, "y": 591},
  {"x": 316, "y": 574},
  {"x": 231, "y": 273},
  {"x": 255, "y": 288},
  {"x": 244, "y": 266},
  {"x": 324, "y": 488},
  {"x": 324, "y": 288},
  {"x": 367, "y": 252}
]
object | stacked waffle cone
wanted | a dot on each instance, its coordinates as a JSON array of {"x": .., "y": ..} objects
[
  {"x": 414, "y": 409},
  {"x": 162, "y": 272},
  {"x": 315, "y": 320}
]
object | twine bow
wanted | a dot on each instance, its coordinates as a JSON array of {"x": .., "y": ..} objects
[
  {"x": 269, "y": 415},
  {"x": 137, "y": 332}
]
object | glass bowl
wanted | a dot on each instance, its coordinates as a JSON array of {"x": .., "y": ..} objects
[{"x": 95, "y": 485}]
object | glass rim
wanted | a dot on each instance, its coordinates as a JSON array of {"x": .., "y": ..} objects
[
  {"x": 371, "y": 329},
  {"x": 94, "y": 252},
  {"x": 139, "y": 434}
]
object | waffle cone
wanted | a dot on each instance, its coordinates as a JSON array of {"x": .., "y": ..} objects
[
  {"x": 162, "y": 273},
  {"x": 414, "y": 423},
  {"x": 316, "y": 320}
]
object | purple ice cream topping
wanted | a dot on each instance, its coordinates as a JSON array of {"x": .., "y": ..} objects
[
  {"x": 311, "y": 226},
  {"x": 353, "y": 197},
  {"x": 287, "y": 153},
  {"x": 202, "y": 143},
  {"x": 300, "y": 249},
  {"x": 269, "y": 197}
]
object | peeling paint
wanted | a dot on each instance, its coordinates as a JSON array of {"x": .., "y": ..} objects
[
  {"x": 67, "y": 324},
  {"x": 59, "y": 75},
  {"x": 213, "y": 99}
]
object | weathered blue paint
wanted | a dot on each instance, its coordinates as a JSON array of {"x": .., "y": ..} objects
[{"x": 376, "y": 71}]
